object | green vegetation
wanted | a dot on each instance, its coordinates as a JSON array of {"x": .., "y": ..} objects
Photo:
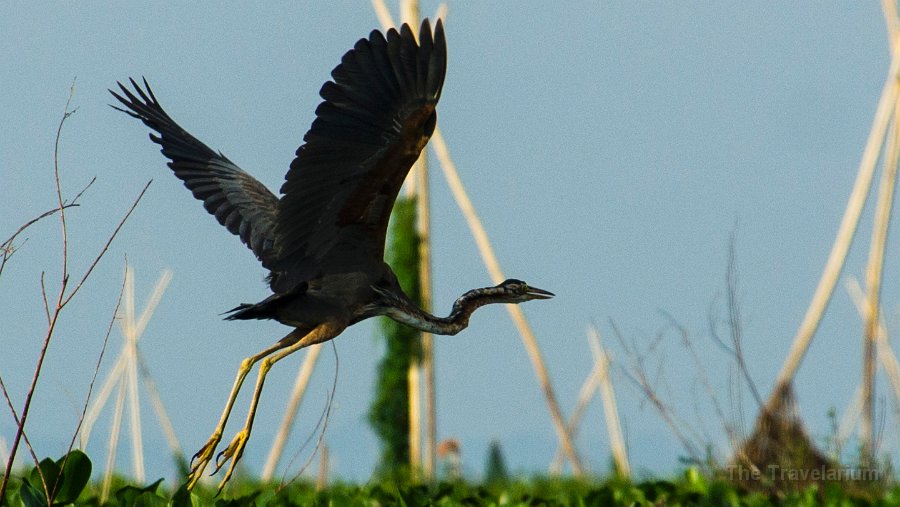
[
  {"x": 389, "y": 413},
  {"x": 495, "y": 468},
  {"x": 67, "y": 483}
]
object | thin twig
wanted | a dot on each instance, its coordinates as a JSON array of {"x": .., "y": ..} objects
[
  {"x": 44, "y": 299},
  {"x": 323, "y": 423},
  {"x": 287, "y": 421},
  {"x": 734, "y": 320},
  {"x": 702, "y": 375},
  {"x": 59, "y": 198},
  {"x": 61, "y": 301},
  {"x": 107, "y": 244},
  {"x": 87, "y": 399},
  {"x": 7, "y": 247},
  {"x": 80, "y": 193},
  {"x": 51, "y": 319},
  {"x": 638, "y": 377},
  {"x": 15, "y": 415}
]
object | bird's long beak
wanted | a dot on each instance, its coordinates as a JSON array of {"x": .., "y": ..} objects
[{"x": 536, "y": 293}]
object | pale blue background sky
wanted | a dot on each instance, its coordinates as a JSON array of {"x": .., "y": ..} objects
[{"x": 611, "y": 149}]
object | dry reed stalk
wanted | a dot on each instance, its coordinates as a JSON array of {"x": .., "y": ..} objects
[
  {"x": 113, "y": 443},
  {"x": 610, "y": 409},
  {"x": 885, "y": 352},
  {"x": 892, "y": 21},
  {"x": 160, "y": 409},
  {"x": 585, "y": 395},
  {"x": 423, "y": 215},
  {"x": 414, "y": 389},
  {"x": 441, "y": 12},
  {"x": 383, "y": 14},
  {"x": 131, "y": 380},
  {"x": 874, "y": 272},
  {"x": 490, "y": 260},
  {"x": 102, "y": 397},
  {"x": 849, "y": 419},
  {"x": 128, "y": 373},
  {"x": 410, "y": 14},
  {"x": 322, "y": 476},
  {"x": 420, "y": 377},
  {"x": 844, "y": 237},
  {"x": 287, "y": 422},
  {"x": 121, "y": 366},
  {"x": 417, "y": 185}
]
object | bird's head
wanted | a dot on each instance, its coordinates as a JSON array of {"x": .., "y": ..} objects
[{"x": 517, "y": 291}]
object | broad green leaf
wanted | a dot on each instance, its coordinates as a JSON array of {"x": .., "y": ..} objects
[
  {"x": 182, "y": 497},
  {"x": 150, "y": 499},
  {"x": 50, "y": 471},
  {"x": 31, "y": 496},
  {"x": 76, "y": 472}
]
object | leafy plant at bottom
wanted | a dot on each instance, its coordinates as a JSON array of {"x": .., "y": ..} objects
[{"x": 64, "y": 479}]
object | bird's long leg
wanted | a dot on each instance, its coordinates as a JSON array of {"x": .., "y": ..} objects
[
  {"x": 322, "y": 332},
  {"x": 205, "y": 454}
]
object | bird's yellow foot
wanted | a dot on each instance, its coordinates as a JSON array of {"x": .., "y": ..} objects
[
  {"x": 202, "y": 458},
  {"x": 232, "y": 453}
]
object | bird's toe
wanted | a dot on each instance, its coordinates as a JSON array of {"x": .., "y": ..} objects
[{"x": 231, "y": 455}]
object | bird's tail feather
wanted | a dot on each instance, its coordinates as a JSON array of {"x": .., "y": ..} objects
[{"x": 245, "y": 311}]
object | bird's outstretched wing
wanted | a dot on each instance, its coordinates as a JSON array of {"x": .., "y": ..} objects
[
  {"x": 239, "y": 202},
  {"x": 378, "y": 114}
]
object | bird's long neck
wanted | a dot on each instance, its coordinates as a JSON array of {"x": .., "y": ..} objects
[{"x": 406, "y": 312}]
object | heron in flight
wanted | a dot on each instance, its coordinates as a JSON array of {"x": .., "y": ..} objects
[{"x": 323, "y": 239}]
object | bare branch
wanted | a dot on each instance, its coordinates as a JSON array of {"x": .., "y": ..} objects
[
  {"x": 638, "y": 376},
  {"x": 322, "y": 423},
  {"x": 87, "y": 399},
  {"x": 63, "y": 296},
  {"x": 106, "y": 245},
  {"x": 734, "y": 320},
  {"x": 15, "y": 415},
  {"x": 59, "y": 199},
  {"x": 7, "y": 248},
  {"x": 44, "y": 299}
]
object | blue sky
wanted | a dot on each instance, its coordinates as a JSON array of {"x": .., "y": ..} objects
[{"x": 611, "y": 149}]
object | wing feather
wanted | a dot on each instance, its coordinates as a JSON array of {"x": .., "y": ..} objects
[
  {"x": 238, "y": 201},
  {"x": 377, "y": 115}
]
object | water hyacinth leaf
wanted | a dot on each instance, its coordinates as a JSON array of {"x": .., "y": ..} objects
[
  {"x": 76, "y": 472},
  {"x": 32, "y": 496},
  {"x": 50, "y": 471},
  {"x": 149, "y": 499},
  {"x": 182, "y": 497},
  {"x": 128, "y": 495}
]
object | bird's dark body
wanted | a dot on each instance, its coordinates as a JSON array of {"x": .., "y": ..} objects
[
  {"x": 323, "y": 239},
  {"x": 342, "y": 297}
]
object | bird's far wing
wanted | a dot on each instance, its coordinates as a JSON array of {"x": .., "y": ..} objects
[
  {"x": 238, "y": 201},
  {"x": 378, "y": 114}
]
